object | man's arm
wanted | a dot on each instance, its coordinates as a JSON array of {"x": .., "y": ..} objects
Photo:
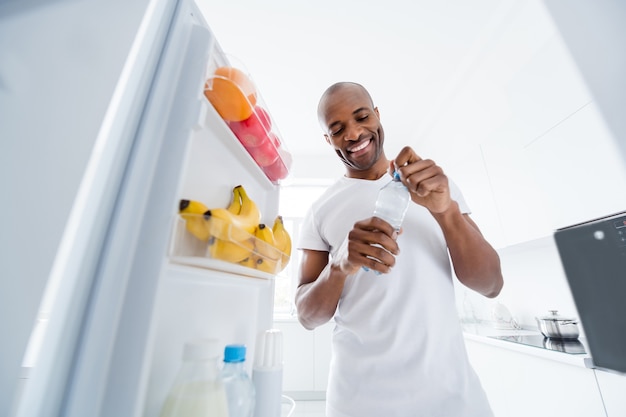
[
  {"x": 321, "y": 282},
  {"x": 319, "y": 289},
  {"x": 476, "y": 263}
]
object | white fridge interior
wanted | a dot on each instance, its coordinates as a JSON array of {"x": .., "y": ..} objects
[
  {"x": 199, "y": 297},
  {"x": 121, "y": 306}
]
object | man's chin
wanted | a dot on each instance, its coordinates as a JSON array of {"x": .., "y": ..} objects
[{"x": 358, "y": 165}]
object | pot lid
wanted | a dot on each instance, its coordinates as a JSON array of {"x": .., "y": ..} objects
[{"x": 555, "y": 316}]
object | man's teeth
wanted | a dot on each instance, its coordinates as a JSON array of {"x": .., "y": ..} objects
[{"x": 361, "y": 146}]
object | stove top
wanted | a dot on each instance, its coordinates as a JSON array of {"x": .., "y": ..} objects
[{"x": 571, "y": 346}]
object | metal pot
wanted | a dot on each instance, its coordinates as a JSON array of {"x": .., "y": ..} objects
[
  {"x": 556, "y": 326},
  {"x": 564, "y": 345}
]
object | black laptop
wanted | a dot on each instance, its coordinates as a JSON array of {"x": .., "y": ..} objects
[{"x": 593, "y": 255}]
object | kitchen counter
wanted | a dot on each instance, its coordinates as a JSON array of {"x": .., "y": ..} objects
[
  {"x": 512, "y": 373},
  {"x": 484, "y": 333}
]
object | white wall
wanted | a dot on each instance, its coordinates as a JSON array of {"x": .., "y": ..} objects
[{"x": 524, "y": 138}]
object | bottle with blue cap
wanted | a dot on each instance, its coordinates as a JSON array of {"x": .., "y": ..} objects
[
  {"x": 240, "y": 391},
  {"x": 392, "y": 203}
]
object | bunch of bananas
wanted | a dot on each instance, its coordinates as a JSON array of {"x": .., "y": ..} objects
[
  {"x": 232, "y": 228},
  {"x": 235, "y": 234}
]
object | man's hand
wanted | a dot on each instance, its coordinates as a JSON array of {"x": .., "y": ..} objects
[
  {"x": 424, "y": 179},
  {"x": 359, "y": 249}
]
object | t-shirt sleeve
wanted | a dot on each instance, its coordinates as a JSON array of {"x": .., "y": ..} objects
[
  {"x": 310, "y": 236},
  {"x": 457, "y": 195}
]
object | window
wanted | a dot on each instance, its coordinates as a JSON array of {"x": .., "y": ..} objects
[{"x": 295, "y": 199}]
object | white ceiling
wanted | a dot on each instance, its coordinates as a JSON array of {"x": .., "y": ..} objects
[{"x": 410, "y": 54}]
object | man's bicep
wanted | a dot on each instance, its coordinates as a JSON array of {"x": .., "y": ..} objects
[{"x": 312, "y": 263}]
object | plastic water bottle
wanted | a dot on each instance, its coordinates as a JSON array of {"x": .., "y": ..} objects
[
  {"x": 392, "y": 203},
  {"x": 238, "y": 384},
  {"x": 198, "y": 389}
]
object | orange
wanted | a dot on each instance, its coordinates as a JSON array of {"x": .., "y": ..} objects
[{"x": 232, "y": 93}]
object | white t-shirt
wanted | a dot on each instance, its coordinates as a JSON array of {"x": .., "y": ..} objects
[{"x": 398, "y": 348}]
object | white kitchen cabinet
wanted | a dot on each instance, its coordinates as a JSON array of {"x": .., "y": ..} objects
[
  {"x": 578, "y": 169},
  {"x": 613, "y": 389},
  {"x": 522, "y": 385},
  {"x": 323, "y": 335},
  {"x": 546, "y": 159},
  {"x": 524, "y": 116},
  {"x": 306, "y": 359},
  {"x": 298, "y": 357},
  {"x": 557, "y": 180}
]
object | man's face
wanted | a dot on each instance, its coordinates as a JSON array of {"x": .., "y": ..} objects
[{"x": 353, "y": 128}]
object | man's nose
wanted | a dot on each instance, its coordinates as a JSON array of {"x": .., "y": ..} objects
[{"x": 353, "y": 132}]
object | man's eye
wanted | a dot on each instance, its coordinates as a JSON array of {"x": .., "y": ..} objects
[
  {"x": 336, "y": 132},
  {"x": 362, "y": 118}
]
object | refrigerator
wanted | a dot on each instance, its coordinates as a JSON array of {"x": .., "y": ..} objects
[{"x": 120, "y": 300}]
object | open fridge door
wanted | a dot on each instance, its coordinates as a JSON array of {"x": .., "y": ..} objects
[{"x": 121, "y": 309}]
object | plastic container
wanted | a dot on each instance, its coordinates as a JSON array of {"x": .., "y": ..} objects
[
  {"x": 198, "y": 390},
  {"x": 233, "y": 94},
  {"x": 224, "y": 243},
  {"x": 240, "y": 391},
  {"x": 267, "y": 374}
]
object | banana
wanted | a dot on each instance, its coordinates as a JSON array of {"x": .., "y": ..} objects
[
  {"x": 235, "y": 204},
  {"x": 249, "y": 209},
  {"x": 195, "y": 221},
  {"x": 282, "y": 241},
  {"x": 272, "y": 245},
  {"x": 266, "y": 265},
  {"x": 191, "y": 206},
  {"x": 265, "y": 248},
  {"x": 251, "y": 261},
  {"x": 244, "y": 223},
  {"x": 257, "y": 262},
  {"x": 228, "y": 251},
  {"x": 265, "y": 245}
]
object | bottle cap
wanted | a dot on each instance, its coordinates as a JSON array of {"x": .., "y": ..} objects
[
  {"x": 201, "y": 349},
  {"x": 396, "y": 176},
  {"x": 235, "y": 353}
]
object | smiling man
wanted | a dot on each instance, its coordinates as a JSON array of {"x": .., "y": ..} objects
[{"x": 398, "y": 348}]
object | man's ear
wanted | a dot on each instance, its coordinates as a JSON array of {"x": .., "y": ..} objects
[
  {"x": 376, "y": 111},
  {"x": 327, "y": 139}
]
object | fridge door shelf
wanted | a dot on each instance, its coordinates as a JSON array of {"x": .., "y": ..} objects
[
  {"x": 233, "y": 95},
  {"x": 218, "y": 245}
]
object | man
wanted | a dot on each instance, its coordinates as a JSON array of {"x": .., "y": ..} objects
[{"x": 398, "y": 348}]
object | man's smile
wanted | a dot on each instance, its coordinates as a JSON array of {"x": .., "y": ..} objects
[{"x": 361, "y": 146}]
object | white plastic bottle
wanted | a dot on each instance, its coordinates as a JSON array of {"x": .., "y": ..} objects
[
  {"x": 198, "y": 389},
  {"x": 267, "y": 374},
  {"x": 391, "y": 204},
  {"x": 237, "y": 383}
]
